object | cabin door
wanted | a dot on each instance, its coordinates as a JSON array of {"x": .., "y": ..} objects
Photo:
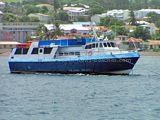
[{"x": 40, "y": 53}]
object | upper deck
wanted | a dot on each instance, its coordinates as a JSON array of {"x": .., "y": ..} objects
[{"x": 66, "y": 42}]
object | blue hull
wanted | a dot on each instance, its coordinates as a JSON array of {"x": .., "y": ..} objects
[{"x": 86, "y": 66}]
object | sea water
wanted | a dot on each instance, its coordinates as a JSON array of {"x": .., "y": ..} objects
[{"x": 81, "y": 97}]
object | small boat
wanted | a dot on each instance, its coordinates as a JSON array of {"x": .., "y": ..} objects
[{"x": 81, "y": 55}]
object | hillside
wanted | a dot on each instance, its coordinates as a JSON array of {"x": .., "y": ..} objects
[
  {"x": 105, "y": 4},
  {"x": 11, "y": 1}
]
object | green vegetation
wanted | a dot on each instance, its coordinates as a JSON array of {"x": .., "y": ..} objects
[
  {"x": 141, "y": 32},
  {"x": 9, "y": 17},
  {"x": 9, "y": 1},
  {"x": 110, "y": 21},
  {"x": 115, "y": 25},
  {"x": 104, "y": 4},
  {"x": 154, "y": 18},
  {"x": 156, "y": 50},
  {"x": 120, "y": 4}
]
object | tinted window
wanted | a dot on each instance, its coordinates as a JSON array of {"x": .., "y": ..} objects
[
  {"x": 71, "y": 53},
  {"x": 109, "y": 45},
  {"x": 100, "y": 45},
  {"x": 77, "y": 53},
  {"x": 66, "y": 53},
  {"x": 105, "y": 44},
  {"x": 35, "y": 51},
  {"x": 96, "y": 45},
  {"x": 40, "y": 50},
  {"x": 88, "y": 47},
  {"x": 112, "y": 44},
  {"x": 21, "y": 51},
  {"x": 25, "y": 50},
  {"x": 47, "y": 50},
  {"x": 93, "y": 45},
  {"x": 18, "y": 51},
  {"x": 60, "y": 54}
]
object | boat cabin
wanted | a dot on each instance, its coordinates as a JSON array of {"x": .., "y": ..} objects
[{"x": 108, "y": 45}]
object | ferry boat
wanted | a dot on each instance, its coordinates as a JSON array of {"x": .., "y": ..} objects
[{"x": 85, "y": 55}]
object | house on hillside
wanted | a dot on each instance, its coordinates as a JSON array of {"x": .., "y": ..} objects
[
  {"x": 85, "y": 24},
  {"x": 1, "y": 15},
  {"x": 75, "y": 12},
  {"x": 119, "y": 14},
  {"x": 74, "y": 29},
  {"x": 97, "y": 17},
  {"x": 143, "y": 12},
  {"x": 2, "y": 6},
  {"x": 154, "y": 44},
  {"x": 151, "y": 28}
]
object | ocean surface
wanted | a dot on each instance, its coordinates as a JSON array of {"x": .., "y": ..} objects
[{"x": 81, "y": 97}]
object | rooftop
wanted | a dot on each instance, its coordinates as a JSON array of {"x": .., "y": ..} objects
[
  {"x": 154, "y": 42},
  {"x": 9, "y": 43},
  {"x": 2, "y": 3},
  {"x": 72, "y": 26},
  {"x": 84, "y": 23}
]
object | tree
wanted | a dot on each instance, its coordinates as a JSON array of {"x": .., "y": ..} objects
[
  {"x": 132, "y": 19},
  {"x": 31, "y": 9},
  {"x": 7, "y": 9},
  {"x": 111, "y": 21},
  {"x": 96, "y": 8},
  {"x": 56, "y": 5},
  {"x": 57, "y": 31},
  {"x": 34, "y": 19},
  {"x": 141, "y": 32},
  {"x": 120, "y": 30},
  {"x": 24, "y": 19},
  {"x": 154, "y": 18},
  {"x": 9, "y": 17},
  {"x": 41, "y": 31},
  {"x": 156, "y": 36},
  {"x": 63, "y": 16},
  {"x": 44, "y": 10}
]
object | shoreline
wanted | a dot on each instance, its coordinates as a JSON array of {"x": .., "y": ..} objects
[
  {"x": 6, "y": 52},
  {"x": 149, "y": 53}
]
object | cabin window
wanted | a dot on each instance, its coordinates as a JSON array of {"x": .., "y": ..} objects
[
  {"x": 60, "y": 54},
  {"x": 47, "y": 50},
  {"x": 109, "y": 45},
  {"x": 40, "y": 50},
  {"x": 112, "y": 44},
  {"x": 77, "y": 53},
  {"x": 100, "y": 45},
  {"x": 65, "y": 53},
  {"x": 20, "y": 51},
  {"x": 105, "y": 44},
  {"x": 88, "y": 47},
  {"x": 35, "y": 51},
  {"x": 25, "y": 50},
  {"x": 71, "y": 53},
  {"x": 96, "y": 45},
  {"x": 93, "y": 45}
]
